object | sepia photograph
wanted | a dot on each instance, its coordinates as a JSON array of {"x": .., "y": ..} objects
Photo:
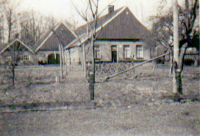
[{"x": 99, "y": 68}]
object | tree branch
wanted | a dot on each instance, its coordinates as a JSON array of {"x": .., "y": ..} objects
[
  {"x": 181, "y": 58},
  {"x": 192, "y": 17}
]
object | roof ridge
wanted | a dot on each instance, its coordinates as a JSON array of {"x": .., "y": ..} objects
[
  {"x": 45, "y": 34},
  {"x": 118, "y": 12},
  {"x": 138, "y": 20},
  {"x": 100, "y": 17},
  {"x": 49, "y": 33},
  {"x": 70, "y": 29},
  {"x": 8, "y": 45}
]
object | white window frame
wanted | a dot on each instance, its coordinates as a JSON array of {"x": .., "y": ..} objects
[
  {"x": 127, "y": 51},
  {"x": 139, "y": 52}
]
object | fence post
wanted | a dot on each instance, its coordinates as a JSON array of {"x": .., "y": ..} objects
[{"x": 57, "y": 79}]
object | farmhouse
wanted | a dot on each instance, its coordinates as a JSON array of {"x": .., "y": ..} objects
[
  {"x": 47, "y": 48},
  {"x": 120, "y": 38},
  {"x": 19, "y": 51}
]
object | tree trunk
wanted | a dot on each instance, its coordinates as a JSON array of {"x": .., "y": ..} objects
[
  {"x": 61, "y": 60},
  {"x": 178, "y": 68},
  {"x": 176, "y": 48},
  {"x": 93, "y": 60},
  {"x": 9, "y": 33},
  {"x": 70, "y": 62},
  {"x": 13, "y": 77},
  {"x": 171, "y": 63},
  {"x": 92, "y": 75},
  {"x": 91, "y": 86},
  {"x": 178, "y": 82},
  {"x": 84, "y": 61}
]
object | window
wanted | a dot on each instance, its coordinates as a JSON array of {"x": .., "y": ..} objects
[
  {"x": 127, "y": 52},
  {"x": 25, "y": 57},
  {"x": 139, "y": 51},
  {"x": 8, "y": 58},
  {"x": 97, "y": 54}
]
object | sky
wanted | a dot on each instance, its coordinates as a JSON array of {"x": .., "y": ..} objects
[{"x": 64, "y": 9}]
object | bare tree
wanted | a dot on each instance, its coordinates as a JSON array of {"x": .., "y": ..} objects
[
  {"x": 43, "y": 24},
  {"x": 186, "y": 35},
  {"x": 50, "y": 22},
  {"x": 61, "y": 51},
  {"x": 30, "y": 27},
  {"x": 11, "y": 15},
  {"x": 11, "y": 56},
  {"x": 161, "y": 34},
  {"x": 74, "y": 28},
  {"x": 188, "y": 38},
  {"x": 2, "y": 27},
  {"x": 90, "y": 15}
]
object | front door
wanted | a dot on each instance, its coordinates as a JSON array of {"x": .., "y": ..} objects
[
  {"x": 114, "y": 53},
  {"x": 114, "y": 56}
]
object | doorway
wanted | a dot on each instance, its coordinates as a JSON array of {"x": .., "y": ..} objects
[
  {"x": 53, "y": 59},
  {"x": 114, "y": 53}
]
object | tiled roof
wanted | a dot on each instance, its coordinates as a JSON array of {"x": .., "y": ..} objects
[
  {"x": 44, "y": 36},
  {"x": 81, "y": 31},
  {"x": 124, "y": 26},
  {"x": 101, "y": 20},
  {"x": 118, "y": 25},
  {"x": 49, "y": 41}
]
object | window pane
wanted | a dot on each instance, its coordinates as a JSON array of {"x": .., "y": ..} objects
[
  {"x": 127, "y": 52},
  {"x": 139, "y": 51},
  {"x": 25, "y": 57}
]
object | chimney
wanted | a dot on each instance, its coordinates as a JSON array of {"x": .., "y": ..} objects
[{"x": 110, "y": 8}]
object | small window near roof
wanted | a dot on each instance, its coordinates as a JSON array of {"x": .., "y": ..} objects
[
  {"x": 25, "y": 57},
  {"x": 139, "y": 51}
]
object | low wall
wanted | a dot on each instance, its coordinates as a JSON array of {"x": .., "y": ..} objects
[{"x": 111, "y": 68}]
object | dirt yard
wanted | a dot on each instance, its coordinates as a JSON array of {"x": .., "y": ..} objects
[{"x": 125, "y": 105}]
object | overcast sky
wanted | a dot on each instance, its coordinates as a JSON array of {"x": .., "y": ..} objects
[{"x": 63, "y": 9}]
